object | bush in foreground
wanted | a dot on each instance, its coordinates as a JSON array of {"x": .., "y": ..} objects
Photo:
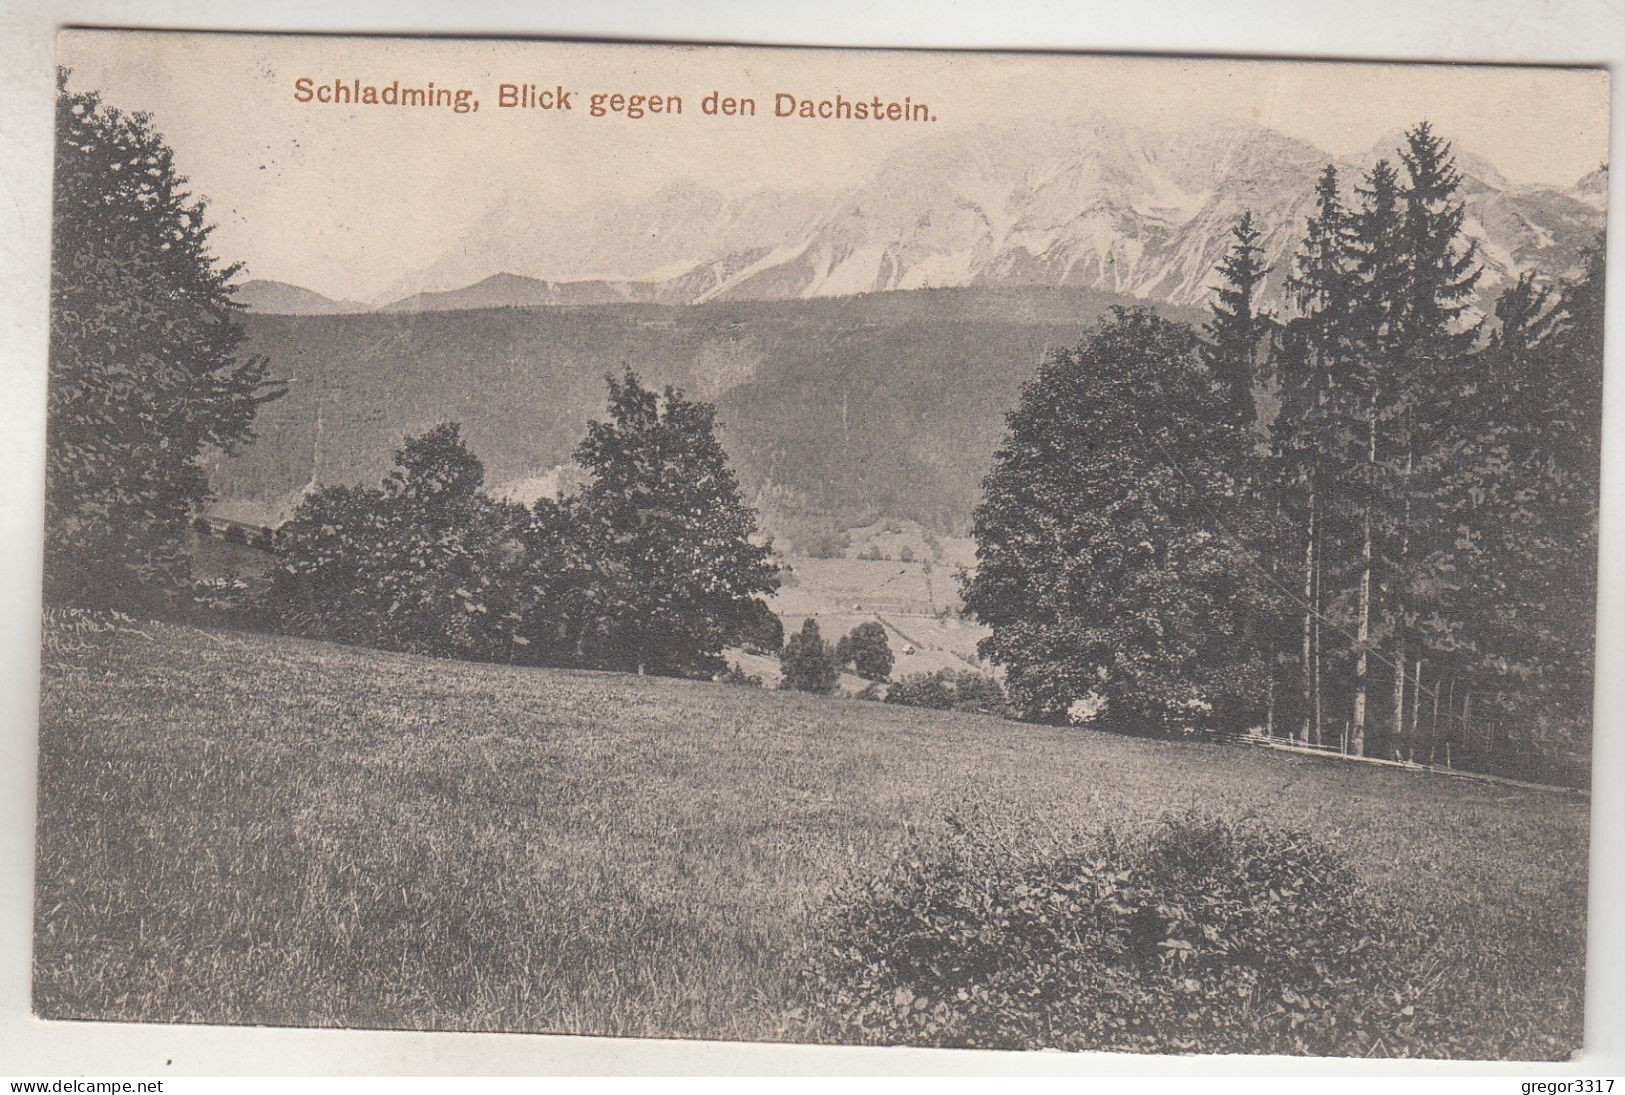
[{"x": 1201, "y": 937}]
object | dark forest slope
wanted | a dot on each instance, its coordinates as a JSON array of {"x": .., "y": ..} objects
[{"x": 888, "y": 403}]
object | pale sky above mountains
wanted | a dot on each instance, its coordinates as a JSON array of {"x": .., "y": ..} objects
[{"x": 343, "y": 199}]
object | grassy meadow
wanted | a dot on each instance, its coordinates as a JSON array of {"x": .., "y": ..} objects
[
  {"x": 913, "y": 591},
  {"x": 249, "y": 829}
]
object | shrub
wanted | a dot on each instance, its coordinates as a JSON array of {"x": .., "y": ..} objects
[
  {"x": 978, "y": 692},
  {"x": 228, "y": 599},
  {"x": 933, "y": 690},
  {"x": 736, "y": 676},
  {"x": 1199, "y": 937},
  {"x": 947, "y": 690},
  {"x": 825, "y": 544},
  {"x": 68, "y": 630}
]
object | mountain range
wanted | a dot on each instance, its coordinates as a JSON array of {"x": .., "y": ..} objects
[
  {"x": 861, "y": 347},
  {"x": 1095, "y": 204},
  {"x": 280, "y": 298}
]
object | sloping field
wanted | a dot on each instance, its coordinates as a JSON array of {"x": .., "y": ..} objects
[
  {"x": 263, "y": 830},
  {"x": 914, "y": 596},
  {"x": 843, "y": 593}
]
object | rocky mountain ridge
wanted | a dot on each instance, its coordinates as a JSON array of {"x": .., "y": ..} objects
[{"x": 1095, "y": 205}]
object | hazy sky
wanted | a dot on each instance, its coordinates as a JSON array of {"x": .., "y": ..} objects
[{"x": 344, "y": 199}]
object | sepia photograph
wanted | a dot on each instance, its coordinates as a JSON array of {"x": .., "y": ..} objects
[{"x": 962, "y": 549}]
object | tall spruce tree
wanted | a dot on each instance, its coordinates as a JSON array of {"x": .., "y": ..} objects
[
  {"x": 1311, "y": 356},
  {"x": 1568, "y": 422},
  {"x": 147, "y": 369},
  {"x": 1490, "y": 495},
  {"x": 1430, "y": 345},
  {"x": 1440, "y": 261},
  {"x": 1377, "y": 245},
  {"x": 1517, "y": 499},
  {"x": 1237, "y": 330},
  {"x": 1236, "y": 350}
]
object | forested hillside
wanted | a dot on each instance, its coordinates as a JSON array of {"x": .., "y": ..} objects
[{"x": 848, "y": 408}]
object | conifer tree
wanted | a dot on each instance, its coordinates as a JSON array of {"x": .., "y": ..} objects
[
  {"x": 808, "y": 662},
  {"x": 1518, "y": 502},
  {"x": 1377, "y": 245},
  {"x": 1429, "y": 345},
  {"x": 1235, "y": 349},
  {"x": 1237, "y": 330},
  {"x": 147, "y": 365},
  {"x": 1311, "y": 354},
  {"x": 1569, "y": 423},
  {"x": 1440, "y": 262}
]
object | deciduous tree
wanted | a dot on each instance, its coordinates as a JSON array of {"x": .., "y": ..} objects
[
  {"x": 425, "y": 562},
  {"x": 1103, "y": 564},
  {"x": 674, "y": 551},
  {"x": 867, "y": 650}
]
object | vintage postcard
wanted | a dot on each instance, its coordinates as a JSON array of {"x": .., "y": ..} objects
[{"x": 993, "y": 550}]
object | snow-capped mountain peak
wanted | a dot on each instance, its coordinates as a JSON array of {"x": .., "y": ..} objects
[{"x": 1091, "y": 202}]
